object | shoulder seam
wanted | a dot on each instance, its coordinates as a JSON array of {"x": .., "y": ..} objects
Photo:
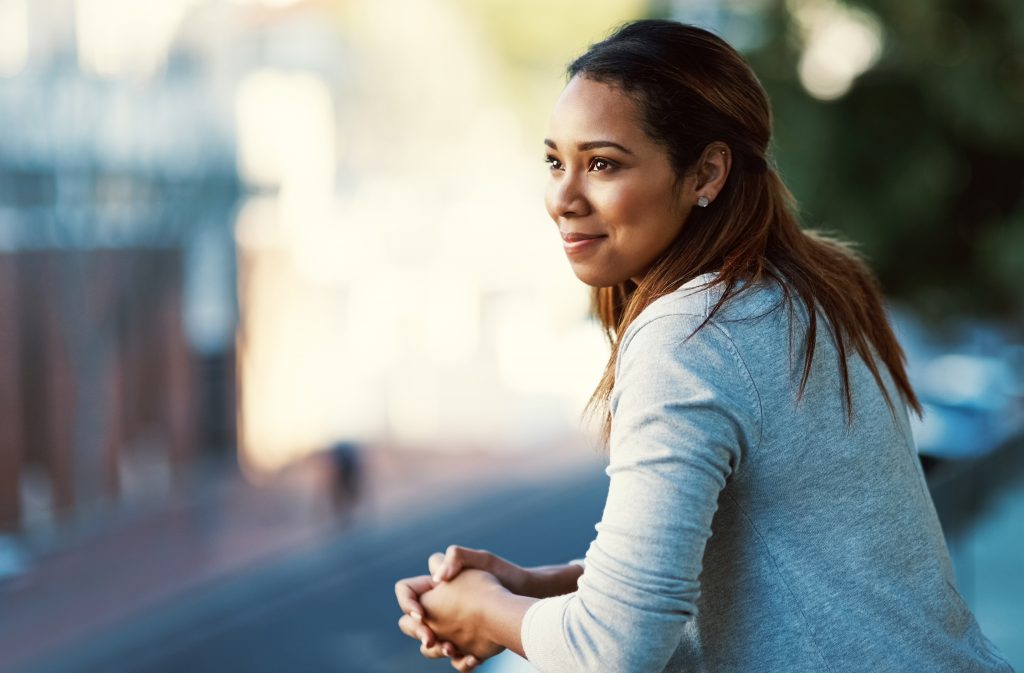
[
  {"x": 733, "y": 350},
  {"x": 750, "y": 380}
]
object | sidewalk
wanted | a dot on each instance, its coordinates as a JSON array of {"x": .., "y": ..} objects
[{"x": 222, "y": 524}]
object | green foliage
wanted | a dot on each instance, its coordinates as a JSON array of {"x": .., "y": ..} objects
[{"x": 922, "y": 162}]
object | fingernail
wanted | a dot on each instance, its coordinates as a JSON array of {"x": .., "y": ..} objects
[{"x": 437, "y": 576}]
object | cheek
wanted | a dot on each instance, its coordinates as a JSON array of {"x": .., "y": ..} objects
[
  {"x": 648, "y": 223},
  {"x": 639, "y": 210}
]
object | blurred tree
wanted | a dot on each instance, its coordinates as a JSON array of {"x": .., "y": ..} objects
[{"x": 922, "y": 161}]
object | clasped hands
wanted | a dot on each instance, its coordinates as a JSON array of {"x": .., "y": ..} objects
[
  {"x": 472, "y": 604},
  {"x": 445, "y": 609}
]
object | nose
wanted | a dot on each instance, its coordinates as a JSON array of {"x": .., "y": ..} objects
[{"x": 565, "y": 196}]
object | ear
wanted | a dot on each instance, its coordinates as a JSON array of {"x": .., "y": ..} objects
[{"x": 712, "y": 170}]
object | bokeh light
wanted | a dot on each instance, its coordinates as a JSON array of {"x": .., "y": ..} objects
[{"x": 277, "y": 287}]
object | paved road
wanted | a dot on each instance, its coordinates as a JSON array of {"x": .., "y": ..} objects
[{"x": 332, "y": 609}]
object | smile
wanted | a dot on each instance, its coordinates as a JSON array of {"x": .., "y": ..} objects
[{"x": 578, "y": 243}]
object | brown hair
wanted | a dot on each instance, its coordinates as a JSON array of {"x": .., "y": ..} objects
[{"x": 694, "y": 89}]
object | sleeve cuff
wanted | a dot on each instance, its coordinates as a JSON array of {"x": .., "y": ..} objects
[{"x": 542, "y": 633}]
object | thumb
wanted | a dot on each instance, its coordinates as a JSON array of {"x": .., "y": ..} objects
[
  {"x": 446, "y": 566},
  {"x": 436, "y": 566},
  {"x": 457, "y": 558},
  {"x": 454, "y": 561}
]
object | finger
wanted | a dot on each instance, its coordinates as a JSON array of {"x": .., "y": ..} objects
[
  {"x": 417, "y": 630},
  {"x": 453, "y": 563},
  {"x": 408, "y": 591},
  {"x": 465, "y": 664},
  {"x": 435, "y": 564},
  {"x": 450, "y": 650},
  {"x": 458, "y": 558},
  {"x": 446, "y": 566},
  {"x": 432, "y": 652}
]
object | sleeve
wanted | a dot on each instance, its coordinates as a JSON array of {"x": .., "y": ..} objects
[{"x": 684, "y": 412}]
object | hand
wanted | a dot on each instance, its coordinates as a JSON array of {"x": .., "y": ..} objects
[
  {"x": 408, "y": 592},
  {"x": 536, "y": 582},
  {"x": 453, "y": 610},
  {"x": 513, "y": 577}
]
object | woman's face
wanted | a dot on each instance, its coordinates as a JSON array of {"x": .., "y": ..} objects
[{"x": 612, "y": 192}]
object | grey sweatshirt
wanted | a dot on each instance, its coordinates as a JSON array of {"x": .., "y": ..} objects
[{"x": 748, "y": 530}]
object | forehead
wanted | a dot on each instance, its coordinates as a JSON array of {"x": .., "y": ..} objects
[{"x": 588, "y": 110}]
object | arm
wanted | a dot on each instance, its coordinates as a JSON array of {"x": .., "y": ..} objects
[
  {"x": 498, "y": 614},
  {"x": 498, "y": 610},
  {"x": 553, "y": 580},
  {"x": 479, "y": 610},
  {"x": 538, "y": 581},
  {"x": 685, "y": 412}
]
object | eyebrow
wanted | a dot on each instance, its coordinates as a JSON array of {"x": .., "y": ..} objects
[{"x": 590, "y": 145}]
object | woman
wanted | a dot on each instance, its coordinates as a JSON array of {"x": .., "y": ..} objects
[{"x": 766, "y": 508}]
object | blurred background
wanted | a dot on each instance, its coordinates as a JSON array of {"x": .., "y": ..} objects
[{"x": 281, "y": 311}]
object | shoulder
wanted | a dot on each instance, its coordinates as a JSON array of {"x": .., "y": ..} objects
[
  {"x": 692, "y": 303},
  {"x": 673, "y": 363}
]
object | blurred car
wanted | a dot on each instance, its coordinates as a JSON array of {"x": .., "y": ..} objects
[{"x": 970, "y": 384}]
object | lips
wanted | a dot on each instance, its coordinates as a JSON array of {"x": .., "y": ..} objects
[
  {"x": 574, "y": 237},
  {"x": 577, "y": 244}
]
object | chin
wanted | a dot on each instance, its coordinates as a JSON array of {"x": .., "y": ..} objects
[{"x": 597, "y": 277}]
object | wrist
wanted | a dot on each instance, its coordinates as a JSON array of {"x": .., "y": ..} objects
[
  {"x": 553, "y": 580},
  {"x": 513, "y": 577},
  {"x": 500, "y": 615},
  {"x": 520, "y": 581},
  {"x": 485, "y": 607}
]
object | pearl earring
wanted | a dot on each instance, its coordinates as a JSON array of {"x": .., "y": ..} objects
[{"x": 703, "y": 201}]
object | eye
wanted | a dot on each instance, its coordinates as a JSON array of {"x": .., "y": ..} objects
[
  {"x": 553, "y": 163},
  {"x": 600, "y": 164}
]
